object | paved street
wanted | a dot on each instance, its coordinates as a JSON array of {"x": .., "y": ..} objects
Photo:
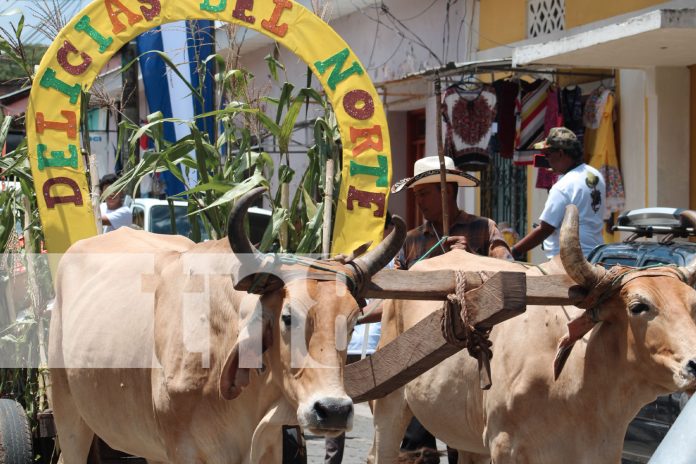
[{"x": 358, "y": 440}]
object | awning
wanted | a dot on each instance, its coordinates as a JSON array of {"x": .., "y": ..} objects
[{"x": 658, "y": 38}]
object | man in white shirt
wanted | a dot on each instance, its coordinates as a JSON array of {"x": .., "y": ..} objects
[
  {"x": 580, "y": 185},
  {"x": 114, "y": 213}
]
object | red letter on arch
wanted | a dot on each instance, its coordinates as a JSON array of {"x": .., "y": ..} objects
[
  {"x": 372, "y": 136},
  {"x": 74, "y": 69},
  {"x": 51, "y": 202},
  {"x": 271, "y": 25},
  {"x": 365, "y": 199},
  {"x": 120, "y": 9},
  {"x": 151, "y": 12}
]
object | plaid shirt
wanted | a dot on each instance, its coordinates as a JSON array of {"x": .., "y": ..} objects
[{"x": 482, "y": 237}]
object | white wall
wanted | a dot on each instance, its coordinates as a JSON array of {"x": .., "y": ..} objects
[
  {"x": 632, "y": 111},
  {"x": 672, "y": 157}
]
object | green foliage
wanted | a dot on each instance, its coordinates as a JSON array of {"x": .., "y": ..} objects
[
  {"x": 233, "y": 164},
  {"x": 17, "y": 59}
]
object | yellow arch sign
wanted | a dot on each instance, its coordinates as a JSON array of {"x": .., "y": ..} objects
[{"x": 86, "y": 44}]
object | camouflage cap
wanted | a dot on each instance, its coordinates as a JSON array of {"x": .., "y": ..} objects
[{"x": 560, "y": 138}]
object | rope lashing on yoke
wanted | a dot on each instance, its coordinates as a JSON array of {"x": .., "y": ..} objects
[
  {"x": 458, "y": 329},
  {"x": 323, "y": 270},
  {"x": 615, "y": 278}
]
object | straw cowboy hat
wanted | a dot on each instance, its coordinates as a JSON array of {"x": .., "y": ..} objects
[{"x": 427, "y": 171}]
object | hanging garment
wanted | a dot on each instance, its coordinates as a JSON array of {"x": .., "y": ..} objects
[
  {"x": 571, "y": 108},
  {"x": 546, "y": 178},
  {"x": 468, "y": 125},
  {"x": 553, "y": 116},
  {"x": 533, "y": 114},
  {"x": 507, "y": 93},
  {"x": 594, "y": 107},
  {"x": 600, "y": 149}
]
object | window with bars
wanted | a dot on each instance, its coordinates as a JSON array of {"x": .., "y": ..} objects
[{"x": 545, "y": 17}]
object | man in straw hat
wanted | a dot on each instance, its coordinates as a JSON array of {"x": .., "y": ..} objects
[
  {"x": 580, "y": 185},
  {"x": 468, "y": 232}
]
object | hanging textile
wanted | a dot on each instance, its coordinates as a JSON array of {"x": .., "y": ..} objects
[
  {"x": 571, "y": 108},
  {"x": 507, "y": 93},
  {"x": 600, "y": 148},
  {"x": 468, "y": 125},
  {"x": 594, "y": 107},
  {"x": 553, "y": 116},
  {"x": 546, "y": 178},
  {"x": 533, "y": 114}
]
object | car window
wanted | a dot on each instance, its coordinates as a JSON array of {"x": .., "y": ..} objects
[
  {"x": 138, "y": 217},
  {"x": 160, "y": 222},
  {"x": 257, "y": 226},
  {"x": 657, "y": 262},
  {"x": 609, "y": 261}
]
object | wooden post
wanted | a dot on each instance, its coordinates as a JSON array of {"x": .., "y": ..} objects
[
  {"x": 328, "y": 208},
  {"x": 441, "y": 155},
  {"x": 96, "y": 191},
  {"x": 423, "y": 346}
]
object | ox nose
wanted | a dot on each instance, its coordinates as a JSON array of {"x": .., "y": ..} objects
[
  {"x": 333, "y": 413},
  {"x": 691, "y": 367}
]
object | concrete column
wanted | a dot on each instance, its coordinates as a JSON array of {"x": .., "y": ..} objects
[
  {"x": 667, "y": 93},
  {"x": 632, "y": 102}
]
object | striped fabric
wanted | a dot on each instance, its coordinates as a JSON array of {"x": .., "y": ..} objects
[{"x": 533, "y": 114}]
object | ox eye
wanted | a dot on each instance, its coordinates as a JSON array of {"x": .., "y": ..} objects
[{"x": 639, "y": 308}]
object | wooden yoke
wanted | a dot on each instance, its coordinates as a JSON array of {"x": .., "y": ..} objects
[
  {"x": 436, "y": 285},
  {"x": 500, "y": 297}
]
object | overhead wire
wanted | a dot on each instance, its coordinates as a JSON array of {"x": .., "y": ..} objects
[
  {"x": 445, "y": 33},
  {"x": 415, "y": 37},
  {"x": 374, "y": 41},
  {"x": 422, "y": 12}
]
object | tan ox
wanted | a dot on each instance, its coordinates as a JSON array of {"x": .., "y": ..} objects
[
  {"x": 130, "y": 330},
  {"x": 644, "y": 346}
]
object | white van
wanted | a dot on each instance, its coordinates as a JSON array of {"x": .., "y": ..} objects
[{"x": 153, "y": 215}]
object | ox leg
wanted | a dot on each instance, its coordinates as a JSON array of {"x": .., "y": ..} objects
[
  {"x": 471, "y": 458},
  {"x": 74, "y": 435},
  {"x": 504, "y": 452},
  {"x": 391, "y": 417}
]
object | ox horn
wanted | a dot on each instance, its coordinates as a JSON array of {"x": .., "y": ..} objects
[
  {"x": 375, "y": 260},
  {"x": 235, "y": 224},
  {"x": 576, "y": 266},
  {"x": 688, "y": 218}
]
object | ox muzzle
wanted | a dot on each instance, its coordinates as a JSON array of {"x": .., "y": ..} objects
[{"x": 327, "y": 415}]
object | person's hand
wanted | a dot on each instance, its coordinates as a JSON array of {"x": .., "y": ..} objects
[{"x": 457, "y": 242}]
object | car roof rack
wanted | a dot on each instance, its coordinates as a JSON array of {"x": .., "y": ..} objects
[{"x": 648, "y": 222}]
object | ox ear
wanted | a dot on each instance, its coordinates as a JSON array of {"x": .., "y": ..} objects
[
  {"x": 258, "y": 283},
  {"x": 244, "y": 356},
  {"x": 577, "y": 328}
]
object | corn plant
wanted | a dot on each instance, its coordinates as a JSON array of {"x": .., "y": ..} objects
[{"x": 234, "y": 163}]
